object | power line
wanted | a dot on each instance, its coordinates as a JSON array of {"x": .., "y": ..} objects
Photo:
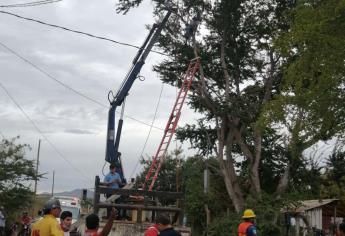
[
  {"x": 41, "y": 132},
  {"x": 149, "y": 133},
  {"x": 79, "y": 32},
  {"x": 31, "y": 4},
  {"x": 2, "y": 135},
  {"x": 67, "y": 86}
]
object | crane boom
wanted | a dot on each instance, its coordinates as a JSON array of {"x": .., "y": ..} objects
[{"x": 112, "y": 155}]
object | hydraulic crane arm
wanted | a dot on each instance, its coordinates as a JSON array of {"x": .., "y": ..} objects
[{"x": 112, "y": 154}]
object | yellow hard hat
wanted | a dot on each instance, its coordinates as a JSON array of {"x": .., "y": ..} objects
[{"x": 249, "y": 213}]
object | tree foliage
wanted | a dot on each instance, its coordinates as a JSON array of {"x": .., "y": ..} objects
[
  {"x": 271, "y": 85},
  {"x": 314, "y": 53},
  {"x": 188, "y": 175},
  {"x": 15, "y": 173},
  {"x": 333, "y": 184}
]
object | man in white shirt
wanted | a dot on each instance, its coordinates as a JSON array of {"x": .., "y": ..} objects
[
  {"x": 2, "y": 221},
  {"x": 66, "y": 222}
]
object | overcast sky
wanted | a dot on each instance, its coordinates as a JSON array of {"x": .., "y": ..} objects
[{"x": 76, "y": 126}]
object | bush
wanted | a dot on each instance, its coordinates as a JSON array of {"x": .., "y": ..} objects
[{"x": 224, "y": 226}]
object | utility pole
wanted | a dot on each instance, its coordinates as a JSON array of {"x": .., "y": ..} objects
[
  {"x": 53, "y": 183},
  {"x": 37, "y": 163},
  {"x": 206, "y": 189}
]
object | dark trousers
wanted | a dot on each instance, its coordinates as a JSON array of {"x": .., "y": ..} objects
[
  {"x": 121, "y": 212},
  {"x": 108, "y": 195}
]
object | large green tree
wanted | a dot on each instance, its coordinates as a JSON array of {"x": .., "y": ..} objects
[
  {"x": 15, "y": 173},
  {"x": 269, "y": 87},
  {"x": 240, "y": 73}
]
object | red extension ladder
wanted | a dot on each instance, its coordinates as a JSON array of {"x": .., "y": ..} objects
[{"x": 170, "y": 128}]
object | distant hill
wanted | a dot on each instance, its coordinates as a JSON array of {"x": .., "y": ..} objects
[{"x": 73, "y": 193}]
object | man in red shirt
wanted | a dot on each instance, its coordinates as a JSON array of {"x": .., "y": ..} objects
[
  {"x": 341, "y": 231},
  {"x": 92, "y": 224},
  {"x": 25, "y": 219},
  {"x": 152, "y": 230}
]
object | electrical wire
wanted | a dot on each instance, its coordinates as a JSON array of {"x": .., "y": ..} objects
[
  {"x": 149, "y": 133},
  {"x": 67, "y": 86},
  {"x": 79, "y": 32},
  {"x": 42, "y": 134},
  {"x": 31, "y": 4}
]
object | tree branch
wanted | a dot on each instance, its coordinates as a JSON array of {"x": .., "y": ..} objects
[
  {"x": 225, "y": 71},
  {"x": 244, "y": 147}
]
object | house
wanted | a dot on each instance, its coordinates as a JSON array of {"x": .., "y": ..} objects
[{"x": 315, "y": 216}]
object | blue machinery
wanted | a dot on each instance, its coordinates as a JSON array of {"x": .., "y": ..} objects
[{"x": 112, "y": 154}]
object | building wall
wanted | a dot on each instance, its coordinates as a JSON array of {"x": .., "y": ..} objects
[{"x": 315, "y": 217}]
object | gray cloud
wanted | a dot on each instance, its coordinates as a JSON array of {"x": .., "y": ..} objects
[
  {"x": 76, "y": 126},
  {"x": 78, "y": 131}
]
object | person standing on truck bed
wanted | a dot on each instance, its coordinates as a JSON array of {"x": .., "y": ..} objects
[
  {"x": 112, "y": 180},
  {"x": 164, "y": 226},
  {"x": 48, "y": 226},
  {"x": 92, "y": 224}
]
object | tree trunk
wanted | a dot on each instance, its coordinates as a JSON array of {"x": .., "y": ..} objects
[
  {"x": 227, "y": 167},
  {"x": 255, "y": 177}
]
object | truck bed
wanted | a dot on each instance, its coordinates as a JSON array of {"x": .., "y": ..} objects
[{"x": 129, "y": 228}]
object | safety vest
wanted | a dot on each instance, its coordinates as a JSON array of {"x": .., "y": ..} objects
[{"x": 243, "y": 227}]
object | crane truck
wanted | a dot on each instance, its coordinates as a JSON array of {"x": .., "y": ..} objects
[{"x": 143, "y": 203}]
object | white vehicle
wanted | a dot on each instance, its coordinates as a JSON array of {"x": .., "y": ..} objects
[{"x": 71, "y": 204}]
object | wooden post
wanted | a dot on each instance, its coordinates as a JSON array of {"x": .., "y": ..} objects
[
  {"x": 53, "y": 183},
  {"x": 36, "y": 172},
  {"x": 97, "y": 196},
  {"x": 180, "y": 218},
  {"x": 139, "y": 215},
  {"x": 335, "y": 218},
  {"x": 206, "y": 188}
]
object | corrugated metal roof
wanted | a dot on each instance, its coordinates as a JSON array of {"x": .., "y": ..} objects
[
  {"x": 330, "y": 207},
  {"x": 310, "y": 204}
]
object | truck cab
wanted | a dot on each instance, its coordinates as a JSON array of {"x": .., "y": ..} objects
[{"x": 71, "y": 204}]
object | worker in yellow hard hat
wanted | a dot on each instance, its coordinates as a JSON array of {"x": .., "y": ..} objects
[{"x": 247, "y": 227}]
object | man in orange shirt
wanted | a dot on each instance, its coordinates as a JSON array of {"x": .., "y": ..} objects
[{"x": 247, "y": 227}]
